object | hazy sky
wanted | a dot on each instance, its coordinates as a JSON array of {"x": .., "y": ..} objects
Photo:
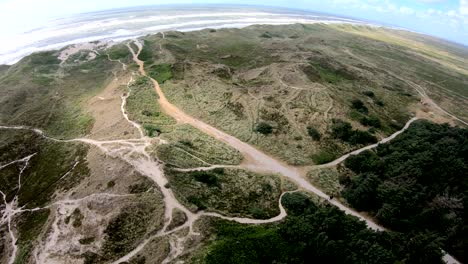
[{"x": 443, "y": 18}]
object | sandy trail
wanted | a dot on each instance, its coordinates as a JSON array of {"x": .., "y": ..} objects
[
  {"x": 385, "y": 140},
  {"x": 254, "y": 160},
  {"x": 143, "y": 163},
  {"x": 124, "y": 66}
]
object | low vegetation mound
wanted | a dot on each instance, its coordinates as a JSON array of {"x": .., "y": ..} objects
[{"x": 218, "y": 190}]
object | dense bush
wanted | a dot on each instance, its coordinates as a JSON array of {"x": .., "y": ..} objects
[
  {"x": 160, "y": 72},
  {"x": 152, "y": 130},
  {"x": 344, "y": 131},
  {"x": 313, "y": 133},
  {"x": 359, "y": 106},
  {"x": 341, "y": 129},
  {"x": 417, "y": 182},
  {"x": 146, "y": 53},
  {"x": 322, "y": 234},
  {"x": 264, "y": 128},
  {"x": 361, "y": 137},
  {"x": 372, "y": 121},
  {"x": 206, "y": 177},
  {"x": 323, "y": 157}
]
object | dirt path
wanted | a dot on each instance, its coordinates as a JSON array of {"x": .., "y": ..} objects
[
  {"x": 133, "y": 151},
  {"x": 255, "y": 160},
  {"x": 385, "y": 140}
]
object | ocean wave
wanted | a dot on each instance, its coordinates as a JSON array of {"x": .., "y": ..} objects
[{"x": 131, "y": 24}]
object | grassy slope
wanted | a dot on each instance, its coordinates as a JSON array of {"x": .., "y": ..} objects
[
  {"x": 230, "y": 78},
  {"x": 38, "y": 92},
  {"x": 437, "y": 65}
]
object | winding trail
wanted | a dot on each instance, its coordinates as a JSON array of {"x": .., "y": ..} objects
[
  {"x": 383, "y": 141},
  {"x": 255, "y": 159},
  {"x": 133, "y": 151}
]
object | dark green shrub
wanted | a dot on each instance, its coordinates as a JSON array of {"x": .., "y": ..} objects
[
  {"x": 296, "y": 203},
  {"x": 313, "y": 133},
  {"x": 379, "y": 103},
  {"x": 323, "y": 157},
  {"x": 197, "y": 202},
  {"x": 77, "y": 218},
  {"x": 341, "y": 129},
  {"x": 206, "y": 177},
  {"x": 372, "y": 121},
  {"x": 110, "y": 184},
  {"x": 358, "y": 105},
  {"x": 362, "y": 137},
  {"x": 266, "y": 35},
  {"x": 264, "y": 128},
  {"x": 87, "y": 240},
  {"x": 152, "y": 130},
  {"x": 161, "y": 72}
]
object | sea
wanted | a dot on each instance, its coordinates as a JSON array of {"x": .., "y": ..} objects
[{"x": 128, "y": 23}]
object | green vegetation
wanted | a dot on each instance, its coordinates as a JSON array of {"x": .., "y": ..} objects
[
  {"x": 30, "y": 226},
  {"x": 320, "y": 233},
  {"x": 160, "y": 72},
  {"x": 143, "y": 185},
  {"x": 86, "y": 240},
  {"x": 46, "y": 169},
  {"x": 76, "y": 217},
  {"x": 189, "y": 147},
  {"x": 328, "y": 74},
  {"x": 178, "y": 219},
  {"x": 369, "y": 93},
  {"x": 264, "y": 128},
  {"x": 359, "y": 106},
  {"x": 143, "y": 108},
  {"x": 218, "y": 190},
  {"x": 416, "y": 183},
  {"x": 233, "y": 79},
  {"x": 313, "y": 133},
  {"x": 344, "y": 131},
  {"x": 119, "y": 52},
  {"x": 147, "y": 55},
  {"x": 324, "y": 156},
  {"x": 38, "y": 92},
  {"x": 370, "y": 121}
]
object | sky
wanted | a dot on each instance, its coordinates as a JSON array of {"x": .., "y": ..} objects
[{"x": 443, "y": 18}]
